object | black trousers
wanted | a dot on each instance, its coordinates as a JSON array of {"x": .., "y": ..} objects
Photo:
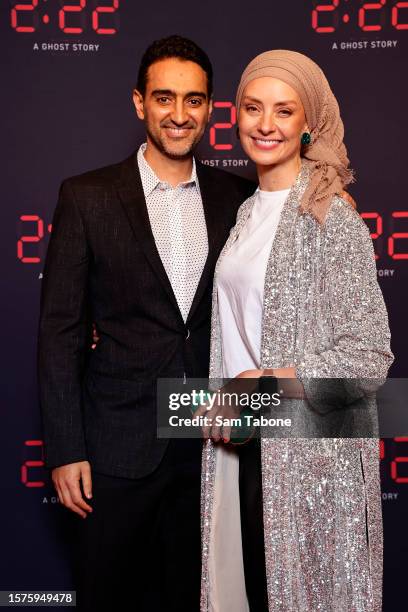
[
  {"x": 139, "y": 550},
  {"x": 250, "y": 490}
]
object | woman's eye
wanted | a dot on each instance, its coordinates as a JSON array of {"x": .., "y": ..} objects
[
  {"x": 251, "y": 109},
  {"x": 285, "y": 112}
]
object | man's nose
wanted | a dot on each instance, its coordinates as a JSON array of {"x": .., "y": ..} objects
[{"x": 179, "y": 114}]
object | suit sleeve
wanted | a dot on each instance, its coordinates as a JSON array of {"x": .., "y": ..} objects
[{"x": 64, "y": 334}]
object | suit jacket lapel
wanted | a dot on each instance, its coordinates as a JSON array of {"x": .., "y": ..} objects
[
  {"x": 213, "y": 201},
  {"x": 131, "y": 195}
]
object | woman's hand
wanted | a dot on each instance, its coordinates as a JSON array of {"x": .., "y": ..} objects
[
  {"x": 278, "y": 372},
  {"x": 250, "y": 374},
  {"x": 289, "y": 387},
  {"x": 281, "y": 372},
  {"x": 224, "y": 409},
  {"x": 212, "y": 429},
  {"x": 226, "y": 412}
]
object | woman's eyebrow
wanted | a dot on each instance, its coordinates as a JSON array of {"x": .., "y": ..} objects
[
  {"x": 282, "y": 103},
  {"x": 285, "y": 102},
  {"x": 251, "y": 99}
]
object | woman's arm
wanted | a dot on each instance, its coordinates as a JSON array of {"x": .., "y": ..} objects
[
  {"x": 361, "y": 353},
  {"x": 361, "y": 345}
]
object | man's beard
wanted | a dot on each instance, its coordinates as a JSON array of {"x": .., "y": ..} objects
[{"x": 161, "y": 146}]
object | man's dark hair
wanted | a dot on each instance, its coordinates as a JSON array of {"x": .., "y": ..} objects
[{"x": 174, "y": 46}]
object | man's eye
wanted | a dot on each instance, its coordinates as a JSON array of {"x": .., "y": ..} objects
[
  {"x": 195, "y": 101},
  {"x": 163, "y": 99}
]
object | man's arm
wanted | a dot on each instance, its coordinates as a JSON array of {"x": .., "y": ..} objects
[{"x": 63, "y": 340}]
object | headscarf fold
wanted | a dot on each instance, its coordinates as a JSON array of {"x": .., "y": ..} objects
[{"x": 327, "y": 154}]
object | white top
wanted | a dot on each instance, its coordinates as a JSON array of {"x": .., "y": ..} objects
[
  {"x": 240, "y": 284},
  {"x": 176, "y": 216}
]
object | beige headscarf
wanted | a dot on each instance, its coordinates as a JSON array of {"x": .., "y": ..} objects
[{"x": 327, "y": 154}]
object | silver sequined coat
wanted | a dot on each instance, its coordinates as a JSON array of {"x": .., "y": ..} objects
[{"x": 324, "y": 313}]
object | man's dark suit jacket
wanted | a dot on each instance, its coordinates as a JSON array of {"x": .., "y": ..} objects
[{"x": 102, "y": 266}]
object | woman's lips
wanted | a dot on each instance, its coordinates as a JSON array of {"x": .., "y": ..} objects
[{"x": 266, "y": 144}]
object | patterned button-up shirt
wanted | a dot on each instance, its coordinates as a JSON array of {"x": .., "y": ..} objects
[{"x": 177, "y": 220}]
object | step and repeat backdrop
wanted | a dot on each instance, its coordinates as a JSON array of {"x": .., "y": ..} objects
[{"x": 68, "y": 69}]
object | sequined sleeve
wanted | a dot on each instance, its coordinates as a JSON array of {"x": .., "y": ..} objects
[{"x": 361, "y": 336}]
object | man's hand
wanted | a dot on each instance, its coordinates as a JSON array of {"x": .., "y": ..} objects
[{"x": 66, "y": 479}]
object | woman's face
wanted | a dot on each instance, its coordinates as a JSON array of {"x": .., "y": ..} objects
[{"x": 271, "y": 121}]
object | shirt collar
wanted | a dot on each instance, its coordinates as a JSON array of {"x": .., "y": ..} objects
[{"x": 150, "y": 180}]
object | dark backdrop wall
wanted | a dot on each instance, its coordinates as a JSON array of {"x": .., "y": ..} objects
[{"x": 68, "y": 72}]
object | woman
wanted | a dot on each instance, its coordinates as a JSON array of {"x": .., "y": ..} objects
[{"x": 295, "y": 296}]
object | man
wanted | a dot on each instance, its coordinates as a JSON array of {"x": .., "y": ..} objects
[{"x": 133, "y": 249}]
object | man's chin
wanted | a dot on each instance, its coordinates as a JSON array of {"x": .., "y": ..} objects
[{"x": 178, "y": 152}]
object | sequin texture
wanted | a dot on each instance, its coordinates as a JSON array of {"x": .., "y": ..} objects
[{"x": 325, "y": 314}]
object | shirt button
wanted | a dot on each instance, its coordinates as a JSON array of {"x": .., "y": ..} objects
[{"x": 188, "y": 334}]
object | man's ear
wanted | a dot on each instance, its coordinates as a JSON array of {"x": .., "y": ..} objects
[
  {"x": 210, "y": 107},
  {"x": 139, "y": 104}
]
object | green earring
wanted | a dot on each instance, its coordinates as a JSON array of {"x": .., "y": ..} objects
[{"x": 306, "y": 138}]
